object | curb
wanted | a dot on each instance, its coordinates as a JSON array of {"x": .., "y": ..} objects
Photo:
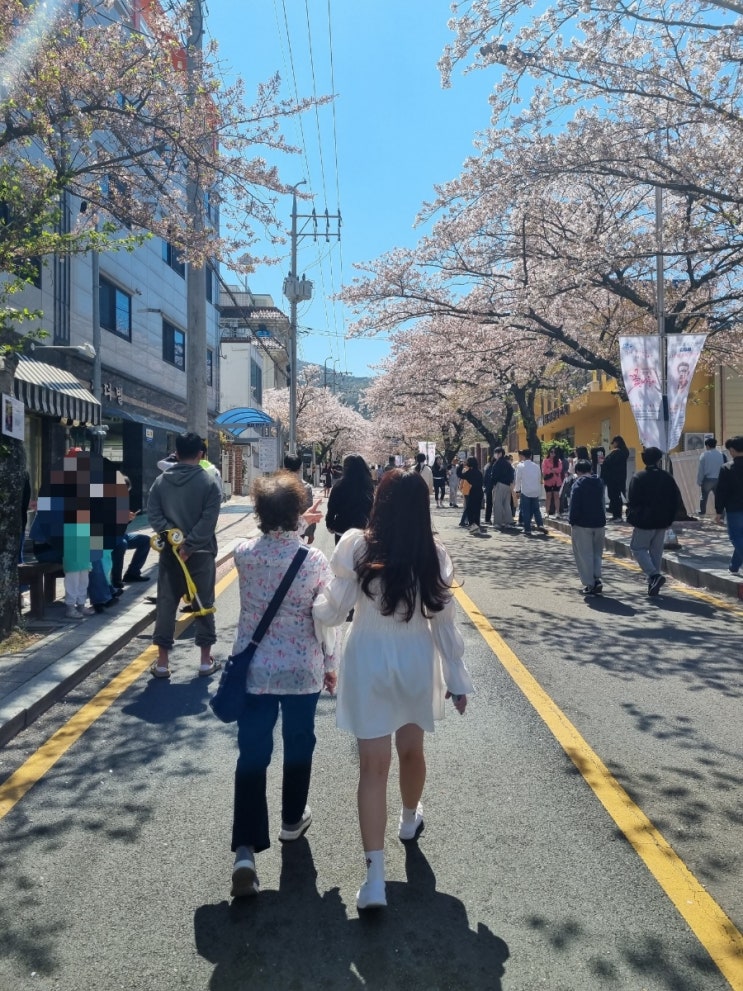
[
  {"x": 24, "y": 706},
  {"x": 713, "y": 580}
]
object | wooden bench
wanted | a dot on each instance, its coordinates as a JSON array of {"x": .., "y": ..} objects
[{"x": 41, "y": 577}]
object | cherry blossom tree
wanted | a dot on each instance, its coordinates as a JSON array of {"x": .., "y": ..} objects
[
  {"x": 322, "y": 420},
  {"x": 106, "y": 111}
]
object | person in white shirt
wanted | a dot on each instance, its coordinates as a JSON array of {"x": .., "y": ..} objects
[
  {"x": 710, "y": 463},
  {"x": 529, "y": 479},
  {"x": 424, "y": 471}
]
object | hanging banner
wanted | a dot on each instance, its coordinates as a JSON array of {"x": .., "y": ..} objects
[
  {"x": 427, "y": 447},
  {"x": 683, "y": 354},
  {"x": 641, "y": 370}
]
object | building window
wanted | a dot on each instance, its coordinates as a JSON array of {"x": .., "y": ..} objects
[
  {"x": 209, "y": 367},
  {"x": 209, "y": 283},
  {"x": 115, "y": 309},
  {"x": 174, "y": 345},
  {"x": 172, "y": 259},
  {"x": 256, "y": 382}
]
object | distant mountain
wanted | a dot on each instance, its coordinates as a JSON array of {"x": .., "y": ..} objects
[{"x": 348, "y": 388}]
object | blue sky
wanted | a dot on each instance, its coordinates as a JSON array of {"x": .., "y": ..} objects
[{"x": 394, "y": 134}]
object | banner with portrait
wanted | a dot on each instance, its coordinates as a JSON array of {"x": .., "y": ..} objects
[
  {"x": 640, "y": 359},
  {"x": 683, "y": 351}
]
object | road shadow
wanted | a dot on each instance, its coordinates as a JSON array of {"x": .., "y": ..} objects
[
  {"x": 163, "y": 700},
  {"x": 299, "y": 938}
]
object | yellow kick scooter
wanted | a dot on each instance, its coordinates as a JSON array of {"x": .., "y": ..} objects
[{"x": 175, "y": 538}]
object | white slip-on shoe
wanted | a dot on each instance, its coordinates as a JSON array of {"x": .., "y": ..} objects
[
  {"x": 410, "y": 831},
  {"x": 289, "y": 833},
  {"x": 371, "y": 894},
  {"x": 72, "y": 613}
]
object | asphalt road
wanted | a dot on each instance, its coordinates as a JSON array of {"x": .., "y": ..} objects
[{"x": 115, "y": 868}]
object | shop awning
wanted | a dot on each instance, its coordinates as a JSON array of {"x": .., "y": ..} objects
[
  {"x": 117, "y": 412},
  {"x": 54, "y": 392},
  {"x": 236, "y": 420}
]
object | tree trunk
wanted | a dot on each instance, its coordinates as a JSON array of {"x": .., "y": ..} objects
[
  {"x": 524, "y": 396},
  {"x": 12, "y": 469},
  {"x": 492, "y": 439}
]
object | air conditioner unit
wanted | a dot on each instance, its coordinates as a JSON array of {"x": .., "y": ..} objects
[{"x": 695, "y": 442}]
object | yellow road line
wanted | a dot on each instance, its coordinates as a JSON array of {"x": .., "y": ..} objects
[
  {"x": 36, "y": 766},
  {"x": 712, "y": 927}
]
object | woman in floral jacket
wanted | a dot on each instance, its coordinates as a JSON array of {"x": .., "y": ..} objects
[{"x": 290, "y": 668}]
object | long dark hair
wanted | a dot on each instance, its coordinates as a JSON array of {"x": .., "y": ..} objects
[
  {"x": 357, "y": 472},
  {"x": 400, "y": 549}
]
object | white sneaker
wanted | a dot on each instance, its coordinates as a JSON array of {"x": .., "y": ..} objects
[
  {"x": 371, "y": 894},
  {"x": 72, "y": 613},
  {"x": 293, "y": 832},
  {"x": 409, "y": 831},
  {"x": 85, "y": 610},
  {"x": 244, "y": 879}
]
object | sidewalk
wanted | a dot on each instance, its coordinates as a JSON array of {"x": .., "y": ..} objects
[
  {"x": 34, "y": 679},
  {"x": 31, "y": 681}
]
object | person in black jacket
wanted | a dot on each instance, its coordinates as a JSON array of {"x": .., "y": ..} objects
[
  {"x": 729, "y": 500},
  {"x": 652, "y": 503},
  {"x": 471, "y": 473},
  {"x": 501, "y": 479},
  {"x": 350, "y": 501},
  {"x": 587, "y": 526},
  {"x": 614, "y": 475}
]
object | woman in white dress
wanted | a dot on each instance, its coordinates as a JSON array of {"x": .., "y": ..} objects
[{"x": 403, "y": 655}]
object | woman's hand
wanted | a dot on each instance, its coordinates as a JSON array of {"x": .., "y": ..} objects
[
  {"x": 329, "y": 681},
  {"x": 313, "y": 514},
  {"x": 460, "y": 702}
]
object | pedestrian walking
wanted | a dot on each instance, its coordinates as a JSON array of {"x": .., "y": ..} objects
[
  {"x": 552, "y": 476},
  {"x": 188, "y": 499},
  {"x": 653, "y": 500},
  {"x": 729, "y": 500},
  {"x": 327, "y": 479},
  {"x": 403, "y": 656},
  {"x": 471, "y": 476},
  {"x": 502, "y": 478},
  {"x": 453, "y": 484},
  {"x": 293, "y": 463},
  {"x": 288, "y": 671},
  {"x": 438, "y": 470},
  {"x": 710, "y": 463},
  {"x": 530, "y": 482},
  {"x": 424, "y": 471},
  {"x": 614, "y": 476},
  {"x": 350, "y": 501},
  {"x": 487, "y": 484},
  {"x": 587, "y": 519}
]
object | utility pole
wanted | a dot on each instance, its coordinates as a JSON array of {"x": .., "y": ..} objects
[
  {"x": 196, "y": 394},
  {"x": 296, "y": 289},
  {"x": 671, "y": 538}
]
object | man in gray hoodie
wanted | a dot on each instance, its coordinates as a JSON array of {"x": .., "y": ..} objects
[{"x": 188, "y": 499}]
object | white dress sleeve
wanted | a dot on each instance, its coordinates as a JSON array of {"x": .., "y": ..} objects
[
  {"x": 334, "y": 602},
  {"x": 447, "y": 638}
]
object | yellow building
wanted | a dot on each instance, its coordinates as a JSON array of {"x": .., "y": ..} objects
[{"x": 597, "y": 414}]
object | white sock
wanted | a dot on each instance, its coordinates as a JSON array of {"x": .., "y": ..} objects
[
  {"x": 374, "y": 865},
  {"x": 408, "y": 815}
]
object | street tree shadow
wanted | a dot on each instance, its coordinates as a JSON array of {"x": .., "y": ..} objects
[{"x": 298, "y": 938}]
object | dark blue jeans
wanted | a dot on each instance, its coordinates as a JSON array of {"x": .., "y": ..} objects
[
  {"x": 255, "y": 744},
  {"x": 735, "y": 532},
  {"x": 140, "y": 543},
  {"x": 529, "y": 508}
]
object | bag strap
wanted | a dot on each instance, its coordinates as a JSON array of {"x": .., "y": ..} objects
[{"x": 278, "y": 596}]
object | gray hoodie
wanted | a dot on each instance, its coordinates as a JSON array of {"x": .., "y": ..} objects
[{"x": 187, "y": 498}]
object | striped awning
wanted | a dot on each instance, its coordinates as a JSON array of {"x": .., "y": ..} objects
[{"x": 52, "y": 391}]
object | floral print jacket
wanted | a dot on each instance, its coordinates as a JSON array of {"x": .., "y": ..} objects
[{"x": 291, "y": 659}]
